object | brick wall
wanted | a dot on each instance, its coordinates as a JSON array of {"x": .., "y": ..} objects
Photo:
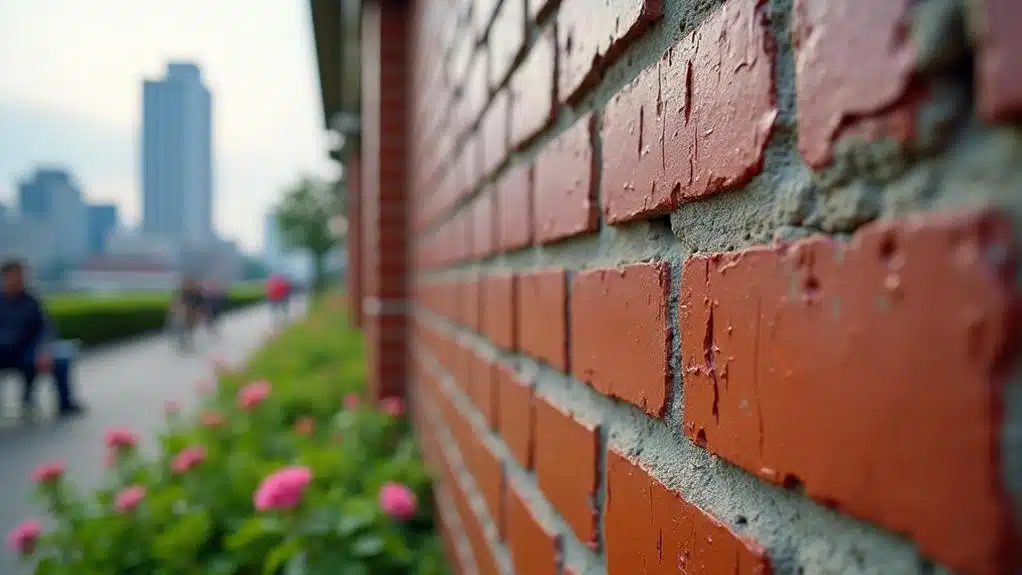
[{"x": 710, "y": 286}]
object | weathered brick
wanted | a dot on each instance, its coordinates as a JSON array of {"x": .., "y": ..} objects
[
  {"x": 852, "y": 61},
  {"x": 694, "y": 124},
  {"x": 872, "y": 373},
  {"x": 532, "y": 91},
  {"x": 483, "y": 225},
  {"x": 567, "y": 451},
  {"x": 506, "y": 40},
  {"x": 590, "y": 35},
  {"x": 514, "y": 208},
  {"x": 534, "y": 549},
  {"x": 517, "y": 417},
  {"x": 620, "y": 338},
  {"x": 498, "y": 320},
  {"x": 999, "y": 68},
  {"x": 542, "y": 311},
  {"x": 652, "y": 530},
  {"x": 565, "y": 181},
  {"x": 493, "y": 133}
]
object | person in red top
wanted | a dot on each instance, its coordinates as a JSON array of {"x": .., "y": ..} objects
[{"x": 278, "y": 291}]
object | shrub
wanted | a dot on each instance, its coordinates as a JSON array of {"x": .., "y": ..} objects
[
  {"x": 95, "y": 320},
  {"x": 272, "y": 475}
]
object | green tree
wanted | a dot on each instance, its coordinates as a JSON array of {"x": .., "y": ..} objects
[{"x": 304, "y": 220}]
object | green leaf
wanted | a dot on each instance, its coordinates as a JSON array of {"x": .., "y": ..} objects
[
  {"x": 367, "y": 546},
  {"x": 252, "y": 530},
  {"x": 280, "y": 555},
  {"x": 352, "y": 523}
]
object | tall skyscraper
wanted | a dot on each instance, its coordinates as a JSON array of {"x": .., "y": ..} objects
[
  {"x": 177, "y": 155},
  {"x": 102, "y": 220},
  {"x": 51, "y": 198}
]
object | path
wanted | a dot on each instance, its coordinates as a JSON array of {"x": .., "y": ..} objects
[{"x": 125, "y": 385}]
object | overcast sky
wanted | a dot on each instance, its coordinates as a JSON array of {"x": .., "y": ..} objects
[{"x": 71, "y": 82}]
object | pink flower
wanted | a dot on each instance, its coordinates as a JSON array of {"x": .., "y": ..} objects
[
  {"x": 351, "y": 401},
  {"x": 188, "y": 458},
  {"x": 128, "y": 498},
  {"x": 24, "y": 537},
  {"x": 253, "y": 394},
  {"x": 211, "y": 419},
  {"x": 120, "y": 438},
  {"x": 282, "y": 489},
  {"x": 48, "y": 472},
  {"x": 172, "y": 407},
  {"x": 393, "y": 406},
  {"x": 397, "y": 501}
]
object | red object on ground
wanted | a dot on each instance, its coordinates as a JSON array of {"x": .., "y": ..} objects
[{"x": 276, "y": 288}]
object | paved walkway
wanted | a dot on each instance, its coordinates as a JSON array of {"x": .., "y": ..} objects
[{"x": 126, "y": 385}]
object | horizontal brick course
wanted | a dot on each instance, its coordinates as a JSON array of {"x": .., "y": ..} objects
[
  {"x": 565, "y": 181},
  {"x": 534, "y": 549},
  {"x": 517, "y": 414},
  {"x": 542, "y": 321},
  {"x": 514, "y": 209},
  {"x": 499, "y": 310},
  {"x": 787, "y": 352}
]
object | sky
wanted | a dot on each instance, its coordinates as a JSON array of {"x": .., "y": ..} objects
[{"x": 71, "y": 76}]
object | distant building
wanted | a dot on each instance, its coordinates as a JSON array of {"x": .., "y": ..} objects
[
  {"x": 28, "y": 239},
  {"x": 52, "y": 198},
  {"x": 102, "y": 221},
  {"x": 177, "y": 155}
]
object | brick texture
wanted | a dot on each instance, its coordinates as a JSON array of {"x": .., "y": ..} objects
[
  {"x": 500, "y": 309},
  {"x": 652, "y": 529},
  {"x": 542, "y": 311},
  {"x": 621, "y": 337},
  {"x": 534, "y": 550},
  {"x": 778, "y": 381},
  {"x": 514, "y": 209},
  {"x": 565, "y": 180},
  {"x": 695, "y": 123},
  {"x": 517, "y": 415}
]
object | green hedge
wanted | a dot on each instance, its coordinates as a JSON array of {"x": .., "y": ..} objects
[{"x": 97, "y": 320}]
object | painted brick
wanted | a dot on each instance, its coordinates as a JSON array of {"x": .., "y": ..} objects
[
  {"x": 565, "y": 180},
  {"x": 694, "y": 124},
  {"x": 507, "y": 38},
  {"x": 828, "y": 365},
  {"x": 534, "y": 549},
  {"x": 514, "y": 208},
  {"x": 494, "y": 130},
  {"x": 482, "y": 14},
  {"x": 538, "y": 9},
  {"x": 542, "y": 307},
  {"x": 475, "y": 91},
  {"x": 852, "y": 61},
  {"x": 567, "y": 451},
  {"x": 590, "y": 35},
  {"x": 532, "y": 91},
  {"x": 498, "y": 320},
  {"x": 483, "y": 228},
  {"x": 652, "y": 530},
  {"x": 517, "y": 416},
  {"x": 999, "y": 69},
  {"x": 620, "y": 338}
]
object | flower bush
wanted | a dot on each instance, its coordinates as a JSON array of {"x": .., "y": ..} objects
[{"x": 281, "y": 470}]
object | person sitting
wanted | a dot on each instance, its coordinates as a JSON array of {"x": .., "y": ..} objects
[{"x": 28, "y": 344}]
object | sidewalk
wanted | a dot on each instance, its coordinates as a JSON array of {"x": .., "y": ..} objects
[{"x": 126, "y": 385}]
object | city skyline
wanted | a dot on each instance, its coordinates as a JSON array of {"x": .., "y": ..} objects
[{"x": 79, "y": 106}]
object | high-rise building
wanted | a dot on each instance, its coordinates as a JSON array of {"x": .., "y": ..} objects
[
  {"x": 177, "y": 155},
  {"x": 102, "y": 221},
  {"x": 51, "y": 197}
]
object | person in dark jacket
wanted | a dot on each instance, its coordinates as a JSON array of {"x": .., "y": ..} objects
[{"x": 27, "y": 343}]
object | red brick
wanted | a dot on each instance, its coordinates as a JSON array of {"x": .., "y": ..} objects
[
  {"x": 488, "y": 474},
  {"x": 470, "y": 303},
  {"x": 566, "y": 452},
  {"x": 542, "y": 325},
  {"x": 851, "y": 62},
  {"x": 494, "y": 130},
  {"x": 517, "y": 417},
  {"x": 514, "y": 208},
  {"x": 565, "y": 175},
  {"x": 498, "y": 320},
  {"x": 532, "y": 91},
  {"x": 620, "y": 338},
  {"x": 999, "y": 69},
  {"x": 652, "y": 530},
  {"x": 534, "y": 549},
  {"x": 870, "y": 372},
  {"x": 483, "y": 227},
  {"x": 694, "y": 124},
  {"x": 590, "y": 35},
  {"x": 482, "y": 389},
  {"x": 506, "y": 40}
]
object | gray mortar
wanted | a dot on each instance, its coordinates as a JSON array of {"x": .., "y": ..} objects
[{"x": 956, "y": 161}]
